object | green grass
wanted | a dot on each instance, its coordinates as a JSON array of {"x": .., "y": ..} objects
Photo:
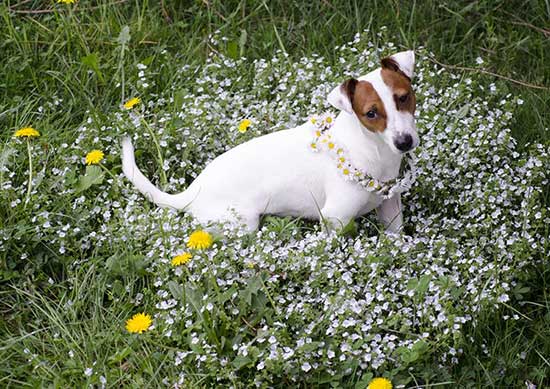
[{"x": 43, "y": 56}]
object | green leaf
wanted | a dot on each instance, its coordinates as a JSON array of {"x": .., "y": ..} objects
[
  {"x": 92, "y": 61},
  {"x": 179, "y": 97},
  {"x": 194, "y": 297},
  {"x": 420, "y": 347},
  {"x": 309, "y": 347},
  {"x": 463, "y": 111},
  {"x": 242, "y": 42},
  {"x": 254, "y": 284},
  {"x": 119, "y": 356},
  {"x": 5, "y": 155},
  {"x": 419, "y": 285},
  {"x": 223, "y": 297},
  {"x": 363, "y": 383},
  {"x": 349, "y": 230},
  {"x": 407, "y": 356},
  {"x": 147, "y": 61},
  {"x": 124, "y": 265},
  {"x": 411, "y": 355},
  {"x": 176, "y": 289},
  {"x": 241, "y": 361},
  {"x": 423, "y": 284},
  {"x": 93, "y": 176},
  {"x": 232, "y": 50}
]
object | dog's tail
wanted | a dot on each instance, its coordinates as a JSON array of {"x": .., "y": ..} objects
[{"x": 136, "y": 177}]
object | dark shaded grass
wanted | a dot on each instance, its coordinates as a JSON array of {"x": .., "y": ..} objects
[
  {"x": 42, "y": 57},
  {"x": 44, "y": 51}
]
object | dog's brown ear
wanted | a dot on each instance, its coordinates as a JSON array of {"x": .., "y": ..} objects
[
  {"x": 388, "y": 63},
  {"x": 402, "y": 63},
  {"x": 341, "y": 97},
  {"x": 349, "y": 88}
]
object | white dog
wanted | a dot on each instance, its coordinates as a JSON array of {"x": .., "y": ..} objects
[{"x": 329, "y": 169}]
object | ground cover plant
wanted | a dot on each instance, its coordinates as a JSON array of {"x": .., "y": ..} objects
[{"x": 83, "y": 253}]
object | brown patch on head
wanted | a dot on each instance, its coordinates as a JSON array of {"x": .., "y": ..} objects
[
  {"x": 400, "y": 85},
  {"x": 348, "y": 88},
  {"x": 368, "y": 106},
  {"x": 390, "y": 64}
]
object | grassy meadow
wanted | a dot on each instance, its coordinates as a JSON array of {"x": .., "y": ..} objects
[{"x": 462, "y": 301}]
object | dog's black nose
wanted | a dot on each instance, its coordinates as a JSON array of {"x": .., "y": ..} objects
[{"x": 403, "y": 142}]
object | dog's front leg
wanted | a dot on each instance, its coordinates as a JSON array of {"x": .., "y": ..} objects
[
  {"x": 336, "y": 215},
  {"x": 389, "y": 213}
]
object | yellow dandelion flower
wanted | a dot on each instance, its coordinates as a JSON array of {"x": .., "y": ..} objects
[
  {"x": 138, "y": 323},
  {"x": 313, "y": 145},
  {"x": 199, "y": 240},
  {"x": 181, "y": 259},
  {"x": 380, "y": 383},
  {"x": 345, "y": 171},
  {"x": 330, "y": 145},
  {"x": 132, "y": 102},
  {"x": 342, "y": 159},
  {"x": 27, "y": 132},
  {"x": 243, "y": 125},
  {"x": 94, "y": 157},
  {"x": 328, "y": 120},
  {"x": 66, "y": 1}
]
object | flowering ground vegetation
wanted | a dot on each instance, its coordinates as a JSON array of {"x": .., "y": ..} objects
[{"x": 291, "y": 303}]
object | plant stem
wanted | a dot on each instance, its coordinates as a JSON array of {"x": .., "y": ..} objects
[
  {"x": 29, "y": 187},
  {"x": 107, "y": 171},
  {"x": 163, "y": 179}
]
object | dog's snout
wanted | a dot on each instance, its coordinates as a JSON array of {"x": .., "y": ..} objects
[{"x": 403, "y": 142}]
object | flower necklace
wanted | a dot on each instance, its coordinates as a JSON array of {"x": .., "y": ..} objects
[{"x": 322, "y": 141}]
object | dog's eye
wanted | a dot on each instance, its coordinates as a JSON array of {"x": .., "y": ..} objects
[
  {"x": 403, "y": 98},
  {"x": 371, "y": 114}
]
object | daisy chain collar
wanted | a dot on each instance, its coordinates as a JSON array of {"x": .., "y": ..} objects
[{"x": 323, "y": 142}]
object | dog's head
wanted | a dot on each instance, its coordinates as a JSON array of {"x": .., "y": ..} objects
[{"x": 383, "y": 101}]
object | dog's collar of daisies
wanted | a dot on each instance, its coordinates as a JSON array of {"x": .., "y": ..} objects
[{"x": 322, "y": 141}]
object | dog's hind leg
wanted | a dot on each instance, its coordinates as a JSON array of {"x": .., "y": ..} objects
[{"x": 248, "y": 220}]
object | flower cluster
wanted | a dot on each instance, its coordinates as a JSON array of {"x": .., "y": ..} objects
[
  {"x": 199, "y": 240},
  {"x": 27, "y": 132},
  {"x": 139, "y": 323},
  {"x": 131, "y": 103},
  {"x": 181, "y": 259},
  {"x": 243, "y": 125},
  {"x": 94, "y": 157}
]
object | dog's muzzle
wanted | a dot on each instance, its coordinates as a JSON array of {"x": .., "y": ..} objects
[{"x": 403, "y": 142}]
